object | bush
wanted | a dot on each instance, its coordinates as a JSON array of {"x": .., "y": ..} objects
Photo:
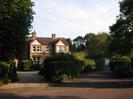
[
  {"x": 27, "y": 64},
  {"x": 7, "y": 72},
  {"x": 79, "y": 55},
  {"x": 36, "y": 67},
  {"x": 121, "y": 66},
  {"x": 4, "y": 68},
  {"x": 90, "y": 65},
  {"x": 131, "y": 57},
  {"x": 61, "y": 67},
  {"x": 100, "y": 63}
]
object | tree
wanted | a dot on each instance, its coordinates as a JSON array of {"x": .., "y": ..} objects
[
  {"x": 15, "y": 21},
  {"x": 122, "y": 31},
  {"x": 78, "y": 43},
  {"x": 96, "y": 44}
]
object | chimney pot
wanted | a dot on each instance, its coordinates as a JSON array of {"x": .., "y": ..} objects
[{"x": 33, "y": 34}]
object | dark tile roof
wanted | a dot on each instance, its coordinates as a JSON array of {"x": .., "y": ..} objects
[{"x": 45, "y": 40}]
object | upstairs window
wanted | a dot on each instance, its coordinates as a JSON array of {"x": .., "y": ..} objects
[
  {"x": 60, "y": 48},
  {"x": 36, "y": 48},
  {"x": 47, "y": 48}
]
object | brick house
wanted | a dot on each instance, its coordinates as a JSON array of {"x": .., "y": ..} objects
[{"x": 41, "y": 47}]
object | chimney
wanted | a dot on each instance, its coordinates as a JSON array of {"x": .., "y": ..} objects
[
  {"x": 53, "y": 36},
  {"x": 33, "y": 34}
]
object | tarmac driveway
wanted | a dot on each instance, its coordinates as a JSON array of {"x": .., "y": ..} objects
[{"x": 99, "y": 85}]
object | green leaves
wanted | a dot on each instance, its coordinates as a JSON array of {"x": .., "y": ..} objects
[
  {"x": 16, "y": 17},
  {"x": 122, "y": 30}
]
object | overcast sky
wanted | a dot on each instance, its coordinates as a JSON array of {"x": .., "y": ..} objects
[{"x": 71, "y": 18}]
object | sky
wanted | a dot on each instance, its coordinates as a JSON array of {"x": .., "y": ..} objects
[{"x": 71, "y": 18}]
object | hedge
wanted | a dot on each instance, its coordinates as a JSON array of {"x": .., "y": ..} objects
[
  {"x": 4, "y": 69},
  {"x": 61, "y": 67},
  {"x": 7, "y": 72},
  {"x": 121, "y": 66},
  {"x": 27, "y": 64},
  {"x": 89, "y": 66}
]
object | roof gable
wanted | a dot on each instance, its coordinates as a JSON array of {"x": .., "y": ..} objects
[
  {"x": 35, "y": 42},
  {"x": 44, "y": 40},
  {"x": 60, "y": 43}
]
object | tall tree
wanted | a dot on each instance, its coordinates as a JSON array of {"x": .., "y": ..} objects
[
  {"x": 122, "y": 31},
  {"x": 79, "y": 44},
  {"x": 96, "y": 44},
  {"x": 15, "y": 21}
]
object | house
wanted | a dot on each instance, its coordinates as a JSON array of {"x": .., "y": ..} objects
[{"x": 41, "y": 47}]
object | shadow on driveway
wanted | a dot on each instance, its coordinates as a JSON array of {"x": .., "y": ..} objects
[
  {"x": 13, "y": 96},
  {"x": 128, "y": 84}
]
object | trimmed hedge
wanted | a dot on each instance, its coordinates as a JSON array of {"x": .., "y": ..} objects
[
  {"x": 121, "y": 66},
  {"x": 61, "y": 67}
]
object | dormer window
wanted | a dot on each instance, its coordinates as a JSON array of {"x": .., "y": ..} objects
[{"x": 36, "y": 48}]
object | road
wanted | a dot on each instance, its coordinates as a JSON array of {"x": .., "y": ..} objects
[{"x": 99, "y": 85}]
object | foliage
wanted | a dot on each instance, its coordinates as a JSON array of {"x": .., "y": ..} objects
[
  {"x": 89, "y": 66},
  {"x": 100, "y": 63},
  {"x": 122, "y": 31},
  {"x": 15, "y": 20},
  {"x": 79, "y": 55},
  {"x": 131, "y": 57},
  {"x": 36, "y": 67},
  {"x": 7, "y": 72},
  {"x": 27, "y": 64},
  {"x": 78, "y": 43},
  {"x": 94, "y": 44},
  {"x": 4, "y": 68},
  {"x": 121, "y": 66},
  {"x": 61, "y": 67}
]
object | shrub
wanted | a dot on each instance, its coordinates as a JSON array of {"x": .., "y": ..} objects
[
  {"x": 7, "y": 72},
  {"x": 61, "y": 67},
  {"x": 131, "y": 57},
  {"x": 121, "y": 66},
  {"x": 79, "y": 55},
  {"x": 36, "y": 67},
  {"x": 90, "y": 65},
  {"x": 27, "y": 64},
  {"x": 4, "y": 68}
]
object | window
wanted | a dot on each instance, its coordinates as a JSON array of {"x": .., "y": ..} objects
[
  {"x": 36, "y": 60},
  {"x": 36, "y": 48},
  {"x": 47, "y": 48},
  {"x": 60, "y": 48}
]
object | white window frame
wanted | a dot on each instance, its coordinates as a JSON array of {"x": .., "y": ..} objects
[{"x": 36, "y": 48}]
